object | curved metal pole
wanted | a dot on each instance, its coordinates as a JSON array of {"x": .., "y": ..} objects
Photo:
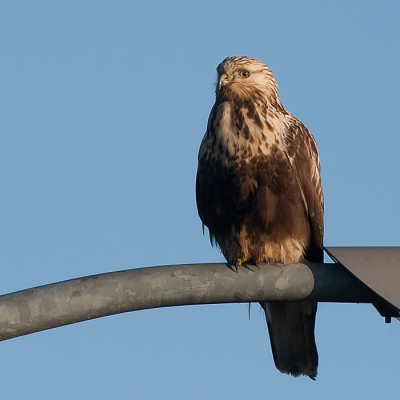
[{"x": 100, "y": 295}]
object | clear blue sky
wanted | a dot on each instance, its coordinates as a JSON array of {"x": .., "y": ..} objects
[{"x": 103, "y": 107}]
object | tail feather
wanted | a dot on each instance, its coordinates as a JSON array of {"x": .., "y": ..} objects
[{"x": 291, "y": 331}]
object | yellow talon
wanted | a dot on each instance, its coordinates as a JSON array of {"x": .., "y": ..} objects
[{"x": 239, "y": 262}]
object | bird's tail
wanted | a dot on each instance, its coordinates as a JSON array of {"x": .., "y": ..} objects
[{"x": 291, "y": 331}]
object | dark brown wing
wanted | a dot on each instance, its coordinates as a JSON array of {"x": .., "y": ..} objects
[
  {"x": 302, "y": 154},
  {"x": 210, "y": 182}
]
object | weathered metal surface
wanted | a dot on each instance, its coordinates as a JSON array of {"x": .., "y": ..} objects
[
  {"x": 377, "y": 267},
  {"x": 96, "y": 296}
]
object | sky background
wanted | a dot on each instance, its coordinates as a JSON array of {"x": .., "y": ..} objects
[{"x": 103, "y": 107}]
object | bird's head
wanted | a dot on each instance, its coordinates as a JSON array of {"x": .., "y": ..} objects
[{"x": 245, "y": 77}]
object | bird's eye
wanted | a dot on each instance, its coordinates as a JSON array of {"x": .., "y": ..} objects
[{"x": 244, "y": 74}]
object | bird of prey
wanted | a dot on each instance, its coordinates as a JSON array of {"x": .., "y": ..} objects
[{"x": 259, "y": 193}]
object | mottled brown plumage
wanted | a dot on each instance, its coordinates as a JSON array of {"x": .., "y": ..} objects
[{"x": 258, "y": 191}]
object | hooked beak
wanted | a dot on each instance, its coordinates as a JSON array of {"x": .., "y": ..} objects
[{"x": 223, "y": 80}]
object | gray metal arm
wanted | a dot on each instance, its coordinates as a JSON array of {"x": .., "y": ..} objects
[{"x": 95, "y": 296}]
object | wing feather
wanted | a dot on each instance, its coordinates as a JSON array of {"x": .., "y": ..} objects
[{"x": 301, "y": 151}]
